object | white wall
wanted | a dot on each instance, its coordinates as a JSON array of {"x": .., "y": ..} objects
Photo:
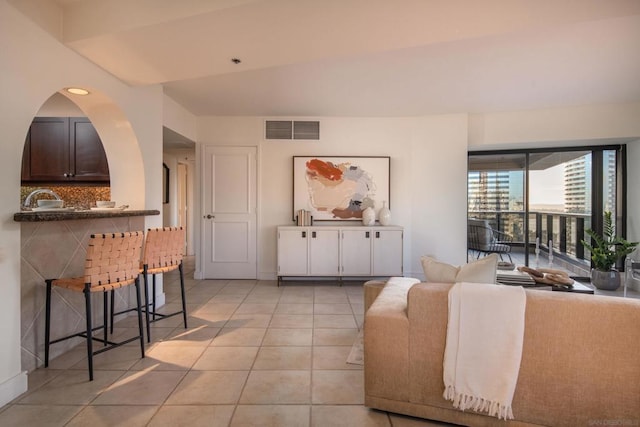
[
  {"x": 428, "y": 176},
  {"x": 33, "y": 66},
  {"x": 559, "y": 126}
]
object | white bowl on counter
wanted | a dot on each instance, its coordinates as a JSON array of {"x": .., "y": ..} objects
[
  {"x": 50, "y": 204},
  {"x": 103, "y": 204}
]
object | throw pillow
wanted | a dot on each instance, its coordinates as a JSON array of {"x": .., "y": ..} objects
[{"x": 480, "y": 271}]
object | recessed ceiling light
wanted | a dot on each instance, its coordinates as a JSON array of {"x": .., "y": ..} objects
[{"x": 77, "y": 91}]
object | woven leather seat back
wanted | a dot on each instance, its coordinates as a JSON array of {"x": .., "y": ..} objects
[
  {"x": 164, "y": 247},
  {"x": 113, "y": 258}
]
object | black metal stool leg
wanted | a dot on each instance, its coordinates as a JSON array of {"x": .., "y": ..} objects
[
  {"x": 47, "y": 324},
  {"x": 113, "y": 307},
  {"x": 153, "y": 293},
  {"x": 146, "y": 302},
  {"x": 184, "y": 304},
  {"x": 87, "y": 299},
  {"x": 105, "y": 317},
  {"x": 138, "y": 300}
]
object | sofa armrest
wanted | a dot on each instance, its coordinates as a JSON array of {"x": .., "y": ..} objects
[
  {"x": 386, "y": 342},
  {"x": 428, "y": 318}
]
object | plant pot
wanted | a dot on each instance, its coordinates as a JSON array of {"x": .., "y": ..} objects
[{"x": 605, "y": 280}]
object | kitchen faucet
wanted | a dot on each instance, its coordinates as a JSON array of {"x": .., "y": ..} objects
[{"x": 27, "y": 201}]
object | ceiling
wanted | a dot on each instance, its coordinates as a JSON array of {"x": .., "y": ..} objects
[{"x": 363, "y": 57}]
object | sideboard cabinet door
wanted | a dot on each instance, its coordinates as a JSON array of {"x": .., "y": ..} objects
[
  {"x": 356, "y": 251},
  {"x": 387, "y": 253},
  {"x": 293, "y": 255},
  {"x": 324, "y": 254}
]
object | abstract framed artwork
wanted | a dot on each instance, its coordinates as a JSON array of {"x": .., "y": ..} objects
[{"x": 340, "y": 188}]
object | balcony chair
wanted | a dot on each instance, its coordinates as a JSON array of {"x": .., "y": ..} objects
[
  {"x": 484, "y": 239},
  {"x": 112, "y": 262},
  {"x": 163, "y": 252}
]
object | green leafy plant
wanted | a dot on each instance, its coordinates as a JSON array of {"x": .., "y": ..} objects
[{"x": 608, "y": 248}]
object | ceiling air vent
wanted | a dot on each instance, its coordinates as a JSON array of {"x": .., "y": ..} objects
[
  {"x": 277, "y": 129},
  {"x": 306, "y": 130},
  {"x": 287, "y": 129}
]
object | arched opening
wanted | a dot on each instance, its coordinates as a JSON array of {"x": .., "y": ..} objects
[{"x": 56, "y": 248}]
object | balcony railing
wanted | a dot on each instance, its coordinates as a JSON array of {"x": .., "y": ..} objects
[{"x": 564, "y": 230}]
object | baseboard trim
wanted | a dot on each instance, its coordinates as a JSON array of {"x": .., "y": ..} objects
[{"x": 13, "y": 388}]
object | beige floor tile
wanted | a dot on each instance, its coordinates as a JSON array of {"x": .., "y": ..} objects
[
  {"x": 70, "y": 358},
  {"x": 193, "y": 416},
  {"x": 321, "y": 308},
  {"x": 226, "y": 359},
  {"x": 292, "y": 298},
  {"x": 333, "y": 336},
  {"x": 262, "y": 298},
  {"x": 326, "y": 298},
  {"x": 256, "y": 308},
  {"x": 41, "y": 376},
  {"x": 240, "y": 337},
  {"x": 218, "y": 308},
  {"x": 38, "y": 415},
  {"x": 72, "y": 388},
  {"x": 292, "y": 321},
  {"x": 271, "y": 416},
  {"x": 294, "y": 308},
  {"x": 113, "y": 416},
  {"x": 332, "y": 357},
  {"x": 277, "y": 387},
  {"x": 280, "y": 358},
  {"x": 140, "y": 388},
  {"x": 358, "y": 308},
  {"x": 227, "y": 298},
  {"x": 210, "y": 320},
  {"x": 288, "y": 336},
  {"x": 120, "y": 358},
  {"x": 338, "y": 387},
  {"x": 199, "y": 335},
  {"x": 249, "y": 320},
  {"x": 347, "y": 416},
  {"x": 170, "y": 357},
  {"x": 334, "y": 321},
  {"x": 209, "y": 388}
]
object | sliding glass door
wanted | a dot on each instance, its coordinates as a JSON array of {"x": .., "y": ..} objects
[{"x": 546, "y": 199}]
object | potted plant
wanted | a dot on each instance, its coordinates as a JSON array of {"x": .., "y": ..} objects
[{"x": 606, "y": 250}]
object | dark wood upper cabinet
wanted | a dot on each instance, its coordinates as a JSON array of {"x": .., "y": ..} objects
[
  {"x": 88, "y": 159},
  {"x": 63, "y": 150}
]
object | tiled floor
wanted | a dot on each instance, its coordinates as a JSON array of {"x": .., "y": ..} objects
[{"x": 254, "y": 355}]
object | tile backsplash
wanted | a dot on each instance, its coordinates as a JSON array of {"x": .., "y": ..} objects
[{"x": 78, "y": 197}]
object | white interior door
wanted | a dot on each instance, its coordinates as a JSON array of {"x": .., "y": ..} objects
[{"x": 229, "y": 212}]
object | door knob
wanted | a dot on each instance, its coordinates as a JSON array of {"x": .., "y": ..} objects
[{"x": 210, "y": 216}]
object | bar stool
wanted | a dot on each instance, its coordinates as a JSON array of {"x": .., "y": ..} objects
[
  {"x": 163, "y": 251},
  {"x": 112, "y": 262}
]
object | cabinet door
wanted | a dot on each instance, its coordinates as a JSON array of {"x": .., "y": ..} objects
[
  {"x": 89, "y": 160},
  {"x": 324, "y": 252},
  {"x": 292, "y": 252},
  {"x": 47, "y": 150},
  {"x": 387, "y": 253},
  {"x": 356, "y": 252}
]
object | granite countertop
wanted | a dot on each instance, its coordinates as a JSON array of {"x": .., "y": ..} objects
[{"x": 64, "y": 215}]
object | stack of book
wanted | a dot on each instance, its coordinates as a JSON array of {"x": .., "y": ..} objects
[{"x": 514, "y": 277}]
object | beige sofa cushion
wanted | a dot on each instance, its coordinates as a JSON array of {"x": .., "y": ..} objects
[{"x": 480, "y": 271}]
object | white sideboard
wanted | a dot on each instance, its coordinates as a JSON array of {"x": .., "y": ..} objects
[{"x": 341, "y": 251}]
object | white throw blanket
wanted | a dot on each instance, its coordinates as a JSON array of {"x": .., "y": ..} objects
[{"x": 484, "y": 347}]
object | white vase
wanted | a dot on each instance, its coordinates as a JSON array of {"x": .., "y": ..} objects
[
  {"x": 368, "y": 216},
  {"x": 384, "y": 216}
]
